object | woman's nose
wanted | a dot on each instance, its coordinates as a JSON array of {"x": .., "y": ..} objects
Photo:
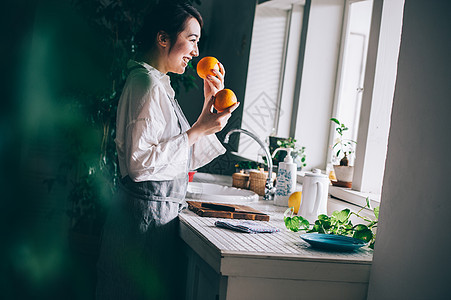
[{"x": 195, "y": 51}]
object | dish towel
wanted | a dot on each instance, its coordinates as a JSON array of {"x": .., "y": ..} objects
[{"x": 247, "y": 226}]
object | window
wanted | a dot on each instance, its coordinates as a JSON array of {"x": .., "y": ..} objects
[
  {"x": 272, "y": 71},
  {"x": 377, "y": 96},
  {"x": 352, "y": 63},
  {"x": 345, "y": 54}
]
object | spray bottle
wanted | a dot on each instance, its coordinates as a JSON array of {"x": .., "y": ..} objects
[{"x": 286, "y": 178}]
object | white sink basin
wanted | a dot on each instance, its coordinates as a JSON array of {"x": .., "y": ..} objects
[{"x": 211, "y": 192}]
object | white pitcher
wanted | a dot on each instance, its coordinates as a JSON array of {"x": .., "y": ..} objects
[{"x": 315, "y": 189}]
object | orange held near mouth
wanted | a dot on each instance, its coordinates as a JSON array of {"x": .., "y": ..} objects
[
  {"x": 224, "y": 99},
  {"x": 205, "y": 65}
]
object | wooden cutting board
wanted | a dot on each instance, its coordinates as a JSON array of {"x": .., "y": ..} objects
[{"x": 228, "y": 211}]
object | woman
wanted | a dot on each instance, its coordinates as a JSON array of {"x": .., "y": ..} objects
[{"x": 140, "y": 257}]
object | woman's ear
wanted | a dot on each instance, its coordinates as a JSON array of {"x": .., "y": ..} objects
[{"x": 162, "y": 39}]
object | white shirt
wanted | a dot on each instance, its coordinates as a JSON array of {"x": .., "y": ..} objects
[{"x": 149, "y": 142}]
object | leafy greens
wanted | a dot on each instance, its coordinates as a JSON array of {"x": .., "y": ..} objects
[{"x": 338, "y": 223}]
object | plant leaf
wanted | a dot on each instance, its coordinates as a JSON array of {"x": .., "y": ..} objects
[
  {"x": 376, "y": 212},
  {"x": 304, "y": 222},
  {"x": 317, "y": 227},
  {"x": 335, "y": 120},
  {"x": 360, "y": 227},
  {"x": 296, "y": 223},
  {"x": 362, "y": 232},
  {"x": 292, "y": 223},
  {"x": 324, "y": 222},
  {"x": 341, "y": 216},
  {"x": 323, "y": 217},
  {"x": 368, "y": 202}
]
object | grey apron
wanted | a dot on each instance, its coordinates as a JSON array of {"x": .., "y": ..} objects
[{"x": 140, "y": 255}]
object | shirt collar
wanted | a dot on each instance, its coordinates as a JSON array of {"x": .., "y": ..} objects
[
  {"x": 165, "y": 79},
  {"x": 158, "y": 74}
]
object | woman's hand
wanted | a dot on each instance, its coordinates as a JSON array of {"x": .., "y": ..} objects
[
  {"x": 213, "y": 84},
  {"x": 209, "y": 122}
]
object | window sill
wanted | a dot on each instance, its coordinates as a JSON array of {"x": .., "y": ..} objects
[{"x": 354, "y": 197}]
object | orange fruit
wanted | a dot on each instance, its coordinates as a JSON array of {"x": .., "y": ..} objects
[
  {"x": 295, "y": 201},
  {"x": 205, "y": 65},
  {"x": 224, "y": 99}
]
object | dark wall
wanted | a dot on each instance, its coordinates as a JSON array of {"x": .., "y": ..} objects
[{"x": 227, "y": 37}]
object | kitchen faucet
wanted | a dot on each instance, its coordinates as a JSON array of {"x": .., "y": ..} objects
[{"x": 269, "y": 189}]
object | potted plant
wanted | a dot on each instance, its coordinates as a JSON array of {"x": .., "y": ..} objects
[
  {"x": 298, "y": 152},
  {"x": 247, "y": 165},
  {"x": 343, "y": 149}
]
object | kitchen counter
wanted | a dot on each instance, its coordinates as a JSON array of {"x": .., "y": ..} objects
[{"x": 270, "y": 265}]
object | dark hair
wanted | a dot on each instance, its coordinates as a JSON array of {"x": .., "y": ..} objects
[{"x": 167, "y": 16}]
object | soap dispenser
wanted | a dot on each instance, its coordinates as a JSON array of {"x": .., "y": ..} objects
[{"x": 286, "y": 178}]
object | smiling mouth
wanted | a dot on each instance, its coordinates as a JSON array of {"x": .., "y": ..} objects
[{"x": 186, "y": 60}]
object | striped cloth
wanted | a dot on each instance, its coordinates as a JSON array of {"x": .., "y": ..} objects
[{"x": 247, "y": 226}]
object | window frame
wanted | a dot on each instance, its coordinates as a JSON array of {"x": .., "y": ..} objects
[
  {"x": 339, "y": 84},
  {"x": 379, "y": 85}
]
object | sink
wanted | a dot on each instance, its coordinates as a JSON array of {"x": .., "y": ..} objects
[{"x": 211, "y": 192}]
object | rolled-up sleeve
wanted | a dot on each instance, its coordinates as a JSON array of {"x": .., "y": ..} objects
[{"x": 205, "y": 150}]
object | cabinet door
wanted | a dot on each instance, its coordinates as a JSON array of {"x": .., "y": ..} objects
[{"x": 202, "y": 281}]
